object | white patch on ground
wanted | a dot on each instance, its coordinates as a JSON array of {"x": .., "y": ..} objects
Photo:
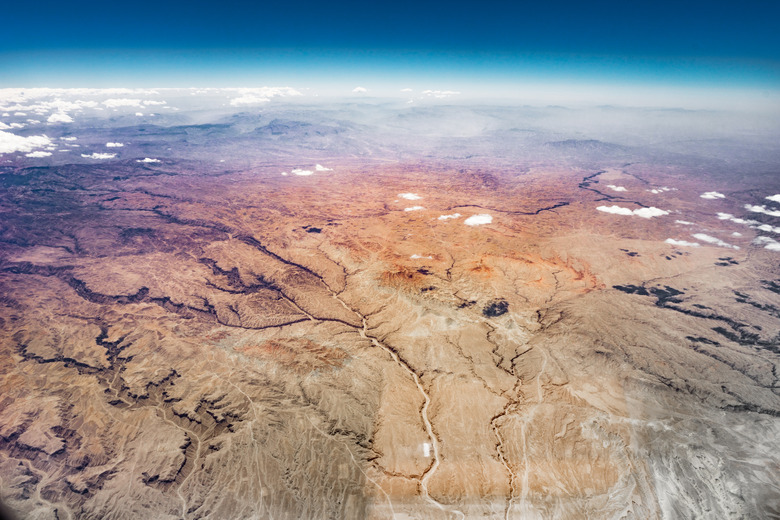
[
  {"x": 37, "y": 154},
  {"x": 768, "y": 243},
  {"x": 148, "y": 160},
  {"x": 683, "y": 222},
  {"x": 774, "y": 198},
  {"x": 713, "y": 240},
  {"x": 478, "y": 220},
  {"x": 10, "y": 143},
  {"x": 447, "y": 217},
  {"x": 616, "y": 188},
  {"x": 712, "y": 195},
  {"x": 414, "y": 208},
  {"x": 59, "y": 117},
  {"x": 321, "y": 168},
  {"x": 409, "y": 196},
  {"x": 763, "y": 209},
  {"x": 683, "y": 243},
  {"x": 417, "y": 257},
  {"x": 298, "y": 171},
  {"x": 114, "y": 145},
  {"x": 98, "y": 155},
  {"x": 641, "y": 212}
]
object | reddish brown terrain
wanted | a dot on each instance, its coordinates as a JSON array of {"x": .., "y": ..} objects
[{"x": 186, "y": 340}]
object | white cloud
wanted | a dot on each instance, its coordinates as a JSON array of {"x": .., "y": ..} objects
[
  {"x": 68, "y": 138},
  {"x": 38, "y": 154},
  {"x": 139, "y": 114},
  {"x": 770, "y": 243},
  {"x": 417, "y": 257},
  {"x": 682, "y": 243},
  {"x": 20, "y": 114},
  {"x": 641, "y": 212},
  {"x": 712, "y": 240},
  {"x": 122, "y": 102},
  {"x": 409, "y": 196},
  {"x": 762, "y": 209},
  {"x": 447, "y": 217},
  {"x": 478, "y": 220},
  {"x": 736, "y": 234},
  {"x": 321, "y": 168},
  {"x": 774, "y": 198},
  {"x": 683, "y": 222},
  {"x": 4, "y": 126},
  {"x": 148, "y": 160},
  {"x": 712, "y": 195},
  {"x": 406, "y": 90},
  {"x": 298, "y": 171},
  {"x": 359, "y": 90},
  {"x": 616, "y": 210},
  {"x": 260, "y": 95},
  {"x": 284, "y": 173},
  {"x": 114, "y": 145},
  {"x": 153, "y": 102},
  {"x": 10, "y": 143},
  {"x": 440, "y": 94},
  {"x": 616, "y": 188},
  {"x": 768, "y": 228},
  {"x": 414, "y": 208},
  {"x": 60, "y": 117},
  {"x": 98, "y": 155},
  {"x": 662, "y": 189},
  {"x": 249, "y": 100}
]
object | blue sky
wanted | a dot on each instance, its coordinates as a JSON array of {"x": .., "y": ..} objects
[{"x": 145, "y": 43}]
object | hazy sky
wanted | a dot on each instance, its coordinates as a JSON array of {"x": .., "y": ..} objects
[{"x": 474, "y": 45}]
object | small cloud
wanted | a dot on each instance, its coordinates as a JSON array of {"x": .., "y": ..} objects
[
  {"x": 284, "y": 173},
  {"x": 641, "y": 212},
  {"x": 774, "y": 198},
  {"x": 736, "y": 234},
  {"x": 98, "y": 155},
  {"x": 769, "y": 243},
  {"x": 418, "y": 257},
  {"x": 409, "y": 196},
  {"x": 712, "y": 195},
  {"x": 68, "y": 138},
  {"x": 148, "y": 160},
  {"x": 20, "y": 114},
  {"x": 359, "y": 90},
  {"x": 321, "y": 168},
  {"x": 447, "y": 217},
  {"x": 682, "y": 243},
  {"x": 683, "y": 222},
  {"x": 115, "y": 145},
  {"x": 478, "y": 220},
  {"x": 122, "y": 102},
  {"x": 440, "y": 94},
  {"x": 616, "y": 188},
  {"x": 762, "y": 209},
  {"x": 414, "y": 208},
  {"x": 153, "y": 102},
  {"x": 139, "y": 114},
  {"x": 249, "y": 100},
  {"x": 60, "y": 117},
  {"x": 406, "y": 90},
  {"x": 298, "y": 171},
  {"x": 10, "y": 143},
  {"x": 713, "y": 240},
  {"x": 38, "y": 154}
]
